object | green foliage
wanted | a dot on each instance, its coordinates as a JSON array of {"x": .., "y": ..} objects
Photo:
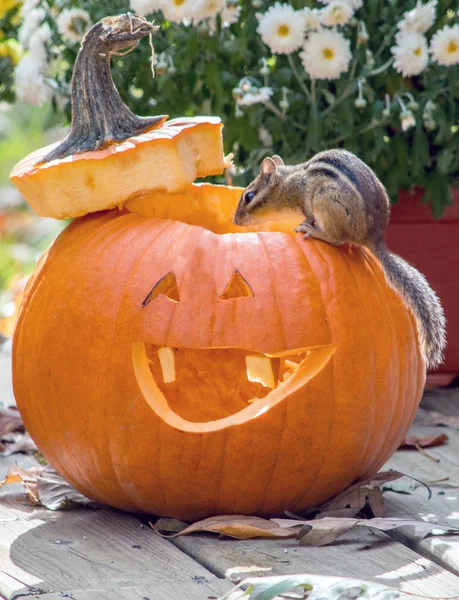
[{"x": 198, "y": 68}]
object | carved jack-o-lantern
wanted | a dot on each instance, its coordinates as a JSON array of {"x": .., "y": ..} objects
[
  {"x": 166, "y": 368},
  {"x": 167, "y": 361}
]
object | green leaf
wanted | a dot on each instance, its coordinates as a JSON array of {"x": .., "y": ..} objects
[
  {"x": 329, "y": 97},
  {"x": 444, "y": 161},
  {"x": 438, "y": 194}
]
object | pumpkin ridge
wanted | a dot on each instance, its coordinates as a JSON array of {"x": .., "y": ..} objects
[
  {"x": 273, "y": 469},
  {"x": 407, "y": 413},
  {"x": 164, "y": 226},
  {"x": 112, "y": 234},
  {"x": 362, "y": 297},
  {"x": 387, "y": 293},
  {"x": 320, "y": 280}
]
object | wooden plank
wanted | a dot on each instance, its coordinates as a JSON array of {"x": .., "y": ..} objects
[
  {"x": 151, "y": 592},
  {"x": 98, "y": 549},
  {"x": 443, "y": 507},
  {"x": 363, "y": 555}
]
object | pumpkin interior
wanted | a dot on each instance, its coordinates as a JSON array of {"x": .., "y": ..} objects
[{"x": 206, "y": 205}]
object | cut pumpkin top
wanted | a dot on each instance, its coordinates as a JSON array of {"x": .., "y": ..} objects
[{"x": 168, "y": 158}]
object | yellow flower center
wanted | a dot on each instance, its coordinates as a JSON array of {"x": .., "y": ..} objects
[
  {"x": 283, "y": 30},
  {"x": 453, "y": 47},
  {"x": 328, "y": 53},
  {"x": 418, "y": 51},
  {"x": 179, "y": 2}
]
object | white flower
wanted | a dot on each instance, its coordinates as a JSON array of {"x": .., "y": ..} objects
[
  {"x": 354, "y": 4},
  {"x": 444, "y": 46},
  {"x": 338, "y": 12},
  {"x": 257, "y": 96},
  {"x": 144, "y": 7},
  {"x": 32, "y": 20},
  {"x": 73, "y": 23},
  {"x": 421, "y": 18},
  {"x": 28, "y": 5},
  {"x": 230, "y": 14},
  {"x": 312, "y": 19},
  {"x": 205, "y": 9},
  {"x": 37, "y": 44},
  {"x": 265, "y": 137},
  {"x": 410, "y": 54},
  {"x": 326, "y": 54},
  {"x": 407, "y": 120},
  {"x": 281, "y": 28},
  {"x": 30, "y": 84},
  {"x": 180, "y": 10}
]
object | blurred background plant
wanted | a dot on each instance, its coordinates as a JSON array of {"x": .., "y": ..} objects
[{"x": 379, "y": 77}]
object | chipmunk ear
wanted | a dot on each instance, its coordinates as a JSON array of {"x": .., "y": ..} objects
[
  {"x": 268, "y": 166},
  {"x": 277, "y": 160}
]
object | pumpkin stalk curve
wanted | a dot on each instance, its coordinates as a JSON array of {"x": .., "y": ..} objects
[{"x": 99, "y": 116}]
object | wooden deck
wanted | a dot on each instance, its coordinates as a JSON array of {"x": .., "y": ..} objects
[{"x": 102, "y": 554}]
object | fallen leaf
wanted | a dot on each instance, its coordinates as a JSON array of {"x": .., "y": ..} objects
[
  {"x": 55, "y": 493},
  {"x": 21, "y": 442},
  {"x": 240, "y": 527},
  {"x": 436, "y": 418},
  {"x": 10, "y": 420},
  {"x": 406, "y": 485},
  {"x": 168, "y": 526},
  {"x": 313, "y": 587},
  {"x": 320, "y": 532},
  {"x": 428, "y": 441},
  {"x": 26, "y": 476},
  {"x": 45, "y": 487},
  {"x": 364, "y": 492}
]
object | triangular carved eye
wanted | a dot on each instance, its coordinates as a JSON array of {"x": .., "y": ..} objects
[
  {"x": 166, "y": 286},
  {"x": 238, "y": 287}
]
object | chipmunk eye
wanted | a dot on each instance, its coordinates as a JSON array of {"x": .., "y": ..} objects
[{"x": 249, "y": 197}]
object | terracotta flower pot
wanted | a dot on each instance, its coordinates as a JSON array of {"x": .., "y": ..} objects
[{"x": 432, "y": 245}]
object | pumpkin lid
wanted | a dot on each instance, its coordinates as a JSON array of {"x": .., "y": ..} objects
[{"x": 109, "y": 154}]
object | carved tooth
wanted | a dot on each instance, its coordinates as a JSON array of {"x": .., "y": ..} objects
[
  {"x": 291, "y": 365},
  {"x": 262, "y": 369},
  {"x": 166, "y": 357}
]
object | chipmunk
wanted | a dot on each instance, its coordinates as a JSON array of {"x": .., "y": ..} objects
[{"x": 344, "y": 202}]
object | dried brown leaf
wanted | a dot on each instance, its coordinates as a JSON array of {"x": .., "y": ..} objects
[
  {"x": 428, "y": 441},
  {"x": 21, "y": 443},
  {"x": 55, "y": 493},
  {"x": 436, "y": 418},
  {"x": 44, "y": 487},
  {"x": 10, "y": 420},
  {"x": 364, "y": 492},
  {"x": 26, "y": 476},
  {"x": 320, "y": 532},
  {"x": 164, "y": 525},
  {"x": 240, "y": 527}
]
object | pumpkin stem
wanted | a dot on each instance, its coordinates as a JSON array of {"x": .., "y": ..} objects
[{"x": 99, "y": 116}]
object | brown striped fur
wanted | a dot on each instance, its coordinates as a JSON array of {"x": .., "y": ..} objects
[{"x": 343, "y": 201}]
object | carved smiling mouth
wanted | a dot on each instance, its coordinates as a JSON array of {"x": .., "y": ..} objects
[{"x": 277, "y": 376}]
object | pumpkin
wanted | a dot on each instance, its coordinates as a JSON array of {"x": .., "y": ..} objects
[{"x": 165, "y": 361}]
